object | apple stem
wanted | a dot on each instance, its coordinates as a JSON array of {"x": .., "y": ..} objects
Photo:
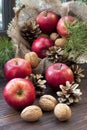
[
  {"x": 60, "y": 66},
  {"x": 16, "y": 63},
  {"x": 19, "y": 92},
  {"x": 45, "y": 14}
]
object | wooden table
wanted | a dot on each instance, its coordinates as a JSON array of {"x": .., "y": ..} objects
[{"x": 10, "y": 118}]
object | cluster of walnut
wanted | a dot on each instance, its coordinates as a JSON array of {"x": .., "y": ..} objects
[
  {"x": 47, "y": 103},
  {"x": 59, "y": 42}
]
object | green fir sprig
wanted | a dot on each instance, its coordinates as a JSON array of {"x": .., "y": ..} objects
[
  {"x": 6, "y": 52},
  {"x": 77, "y": 42}
]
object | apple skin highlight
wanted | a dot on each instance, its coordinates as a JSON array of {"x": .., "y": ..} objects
[
  {"x": 40, "y": 45},
  {"x": 57, "y": 74},
  {"x": 47, "y": 21},
  {"x": 19, "y": 93},
  {"x": 17, "y": 68}
]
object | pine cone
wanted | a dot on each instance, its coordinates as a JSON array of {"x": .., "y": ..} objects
[
  {"x": 56, "y": 54},
  {"x": 69, "y": 94},
  {"x": 30, "y": 30},
  {"x": 39, "y": 83},
  {"x": 77, "y": 73}
]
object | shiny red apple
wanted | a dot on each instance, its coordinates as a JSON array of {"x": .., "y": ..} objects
[
  {"x": 17, "y": 68},
  {"x": 57, "y": 74},
  {"x": 40, "y": 45},
  {"x": 47, "y": 21},
  {"x": 62, "y": 25},
  {"x": 19, "y": 93}
]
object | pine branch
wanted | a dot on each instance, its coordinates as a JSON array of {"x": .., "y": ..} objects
[
  {"x": 6, "y": 52},
  {"x": 77, "y": 42}
]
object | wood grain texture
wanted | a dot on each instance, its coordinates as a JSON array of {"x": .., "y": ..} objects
[{"x": 10, "y": 118}]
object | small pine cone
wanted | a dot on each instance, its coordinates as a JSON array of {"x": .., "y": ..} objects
[
  {"x": 69, "y": 94},
  {"x": 77, "y": 71},
  {"x": 39, "y": 83},
  {"x": 30, "y": 30},
  {"x": 56, "y": 54}
]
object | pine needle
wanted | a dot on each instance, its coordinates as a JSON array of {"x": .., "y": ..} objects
[
  {"x": 77, "y": 42},
  {"x": 6, "y": 52}
]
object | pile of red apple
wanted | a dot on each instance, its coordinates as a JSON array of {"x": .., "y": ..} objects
[
  {"x": 20, "y": 92},
  {"x": 50, "y": 22}
]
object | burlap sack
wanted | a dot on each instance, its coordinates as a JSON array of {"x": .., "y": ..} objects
[{"x": 31, "y": 9}]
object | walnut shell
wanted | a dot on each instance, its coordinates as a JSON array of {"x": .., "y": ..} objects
[
  {"x": 47, "y": 102},
  {"x": 62, "y": 112},
  {"x": 31, "y": 113},
  {"x": 54, "y": 36},
  {"x": 32, "y": 58},
  {"x": 60, "y": 42}
]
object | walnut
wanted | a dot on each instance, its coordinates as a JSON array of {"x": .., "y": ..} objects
[
  {"x": 62, "y": 112},
  {"x": 47, "y": 102},
  {"x": 32, "y": 58},
  {"x": 60, "y": 42},
  {"x": 54, "y": 36},
  {"x": 31, "y": 113}
]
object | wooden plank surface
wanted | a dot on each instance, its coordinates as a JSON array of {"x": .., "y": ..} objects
[{"x": 10, "y": 118}]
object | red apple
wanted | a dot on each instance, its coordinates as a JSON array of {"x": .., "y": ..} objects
[
  {"x": 40, "y": 45},
  {"x": 57, "y": 74},
  {"x": 61, "y": 25},
  {"x": 17, "y": 68},
  {"x": 19, "y": 93},
  {"x": 47, "y": 21}
]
